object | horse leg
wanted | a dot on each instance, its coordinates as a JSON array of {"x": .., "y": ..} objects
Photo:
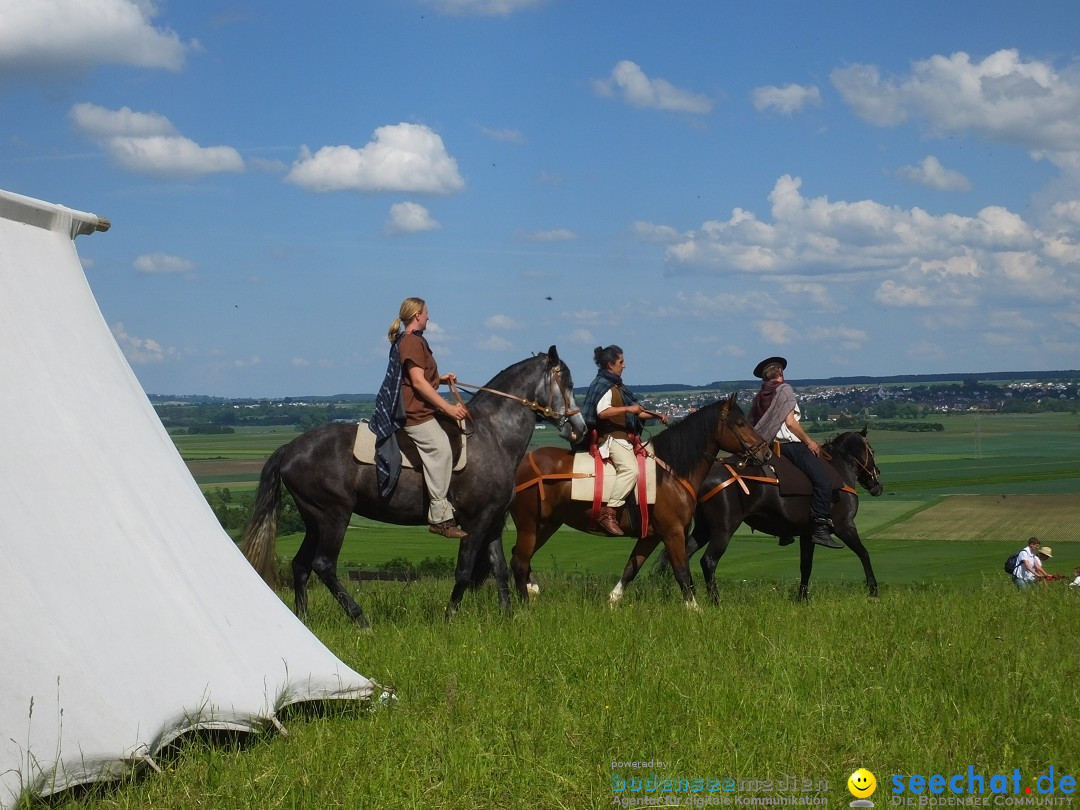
[
  {"x": 301, "y": 570},
  {"x": 806, "y": 565},
  {"x": 675, "y": 546},
  {"x": 642, "y": 549},
  {"x": 852, "y": 540},
  {"x": 531, "y": 536},
  {"x": 322, "y": 556},
  {"x": 466, "y": 562},
  {"x": 500, "y": 570},
  {"x": 718, "y": 544}
]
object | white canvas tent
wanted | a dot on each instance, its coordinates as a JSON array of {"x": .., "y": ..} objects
[{"x": 127, "y": 616}]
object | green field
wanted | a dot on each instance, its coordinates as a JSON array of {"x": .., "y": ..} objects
[
  {"x": 937, "y": 490},
  {"x": 568, "y": 704}
]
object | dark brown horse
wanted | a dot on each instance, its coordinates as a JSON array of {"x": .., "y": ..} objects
[
  {"x": 329, "y": 485},
  {"x": 753, "y": 496},
  {"x": 685, "y": 453}
]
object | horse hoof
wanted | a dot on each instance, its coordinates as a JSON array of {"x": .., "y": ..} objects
[
  {"x": 532, "y": 590},
  {"x": 693, "y": 606}
]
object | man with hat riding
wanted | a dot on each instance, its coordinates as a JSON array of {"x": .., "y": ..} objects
[{"x": 775, "y": 416}]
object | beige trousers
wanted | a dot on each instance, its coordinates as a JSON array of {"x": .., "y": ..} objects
[
  {"x": 438, "y": 462},
  {"x": 625, "y": 462}
]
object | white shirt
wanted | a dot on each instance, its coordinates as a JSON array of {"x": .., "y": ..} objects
[
  {"x": 605, "y": 446},
  {"x": 784, "y": 434},
  {"x": 1021, "y": 569},
  {"x": 1075, "y": 583}
]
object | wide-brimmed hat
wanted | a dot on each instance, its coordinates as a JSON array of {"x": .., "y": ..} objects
[
  {"x": 1045, "y": 551},
  {"x": 769, "y": 361}
]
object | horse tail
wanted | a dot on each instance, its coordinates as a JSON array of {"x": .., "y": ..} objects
[{"x": 260, "y": 536}]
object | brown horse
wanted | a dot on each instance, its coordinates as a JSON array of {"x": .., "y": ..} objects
[
  {"x": 684, "y": 452},
  {"x": 753, "y": 496}
]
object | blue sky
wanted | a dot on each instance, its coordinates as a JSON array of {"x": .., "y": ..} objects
[{"x": 864, "y": 188}]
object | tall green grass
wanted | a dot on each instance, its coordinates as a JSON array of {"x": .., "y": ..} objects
[
  {"x": 951, "y": 667},
  {"x": 532, "y": 709}
]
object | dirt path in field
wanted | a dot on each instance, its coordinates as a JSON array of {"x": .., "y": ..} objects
[
  {"x": 241, "y": 469},
  {"x": 1053, "y": 518}
]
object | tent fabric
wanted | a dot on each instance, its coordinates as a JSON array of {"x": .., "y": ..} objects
[{"x": 128, "y": 616}]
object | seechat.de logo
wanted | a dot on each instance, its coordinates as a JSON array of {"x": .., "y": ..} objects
[{"x": 862, "y": 785}]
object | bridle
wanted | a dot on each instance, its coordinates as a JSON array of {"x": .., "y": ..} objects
[
  {"x": 867, "y": 467},
  {"x": 559, "y": 418},
  {"x": 748, "y": 450}
]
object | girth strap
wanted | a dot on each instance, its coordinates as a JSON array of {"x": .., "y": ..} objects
[{"x": 742, "y": 479}]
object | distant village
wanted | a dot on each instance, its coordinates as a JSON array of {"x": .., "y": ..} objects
[{"x": 832, "y": 403}]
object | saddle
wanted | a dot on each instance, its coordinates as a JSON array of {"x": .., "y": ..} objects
[
  {"x": 364, "y": 445},
  {"x": 584, "y": 482}
]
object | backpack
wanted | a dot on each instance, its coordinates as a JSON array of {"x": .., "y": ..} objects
[{"x": 1010, "y": 564}]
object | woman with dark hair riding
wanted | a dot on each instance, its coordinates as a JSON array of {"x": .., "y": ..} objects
[{"x": 613, "y": 411}]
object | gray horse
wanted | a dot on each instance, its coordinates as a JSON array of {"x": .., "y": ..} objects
[{"x": 329, "y": 485}]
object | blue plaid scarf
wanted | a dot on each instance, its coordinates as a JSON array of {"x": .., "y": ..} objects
[
  {"x": 388, "y": 418},
  {"x": 603, "y": 381}
]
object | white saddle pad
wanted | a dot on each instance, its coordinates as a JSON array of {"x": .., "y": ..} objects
[
  {"x": 364, "y": 446},
  {"x": 581, "y": 489}
]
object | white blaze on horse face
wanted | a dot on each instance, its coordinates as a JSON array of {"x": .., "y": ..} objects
[{"x": 616, "y": 594}]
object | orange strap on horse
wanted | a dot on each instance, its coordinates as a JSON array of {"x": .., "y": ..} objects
[
  {"x": 542, "y": 477},
  {"x": 742, "y": 479},
  {"x": 661, "y": 463}
]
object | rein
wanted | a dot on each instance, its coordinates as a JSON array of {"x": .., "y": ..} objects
[{"x": 544, "y": 410}]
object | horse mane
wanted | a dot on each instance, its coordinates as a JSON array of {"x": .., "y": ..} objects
[
  {"x": 680, "y": 446},
  {"x": 841, "y": 444},
  {"x": 500, "y": 381}
]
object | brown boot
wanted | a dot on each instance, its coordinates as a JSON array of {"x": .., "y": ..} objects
[
  {"x": 609, "y": 523},
  {"x": 448, "y": 528}
]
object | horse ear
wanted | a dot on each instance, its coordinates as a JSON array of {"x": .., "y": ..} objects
[
  {"x": 864, "y": 430},
  {"x": 553, "y": 355}
]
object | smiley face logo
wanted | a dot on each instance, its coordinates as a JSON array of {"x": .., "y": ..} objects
[{"x": 861, "y": 784}]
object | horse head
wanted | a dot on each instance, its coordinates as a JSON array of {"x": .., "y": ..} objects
[
  {"x": 562, "y": 406},
  {"x": 858, "y": 451},
  {"x": 750, "y": 443}
]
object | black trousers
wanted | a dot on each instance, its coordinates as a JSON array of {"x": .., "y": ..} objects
[{"x": 814, "y": 469}]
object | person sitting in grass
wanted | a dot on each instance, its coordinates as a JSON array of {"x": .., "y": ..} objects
[{"x": 1028, "y": 567}]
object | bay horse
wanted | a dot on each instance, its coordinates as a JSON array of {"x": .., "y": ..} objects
[
  {"x": 754, "y": 497},
  {"x": 329, "y": 485},
  {"x": 685, "y": 452}
]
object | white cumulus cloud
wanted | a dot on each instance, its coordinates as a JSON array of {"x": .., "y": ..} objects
[
  {"x": 43, "y": 36},
  {"x": 164, "y": 264},
  {"x": 403, "y": 157},
  {"x": 786, "y": 100},
  {"x": 1000, "y": 98},
  {"x": 932, "y": 174},
  {"x": 148, "y": 143},
  {"x": 409, "y": 217},
  {"x": 630, "y": 82},
  {"x": 140, "y": 351}
]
